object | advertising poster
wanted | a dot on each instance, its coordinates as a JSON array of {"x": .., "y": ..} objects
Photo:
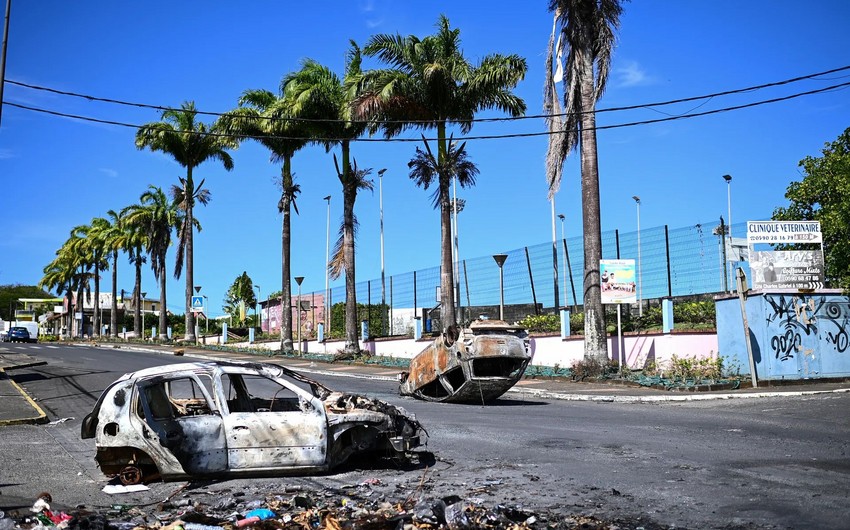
[
  {"x": 618, "y": 281},
  {"x": 792, "y": 269}
]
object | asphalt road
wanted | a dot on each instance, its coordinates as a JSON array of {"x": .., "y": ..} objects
[{"x": 778, "y": 462}]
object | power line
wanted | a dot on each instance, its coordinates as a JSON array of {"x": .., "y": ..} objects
[
  {"x": 474, "y": 120},
  {"x": 460, "y": 138}
]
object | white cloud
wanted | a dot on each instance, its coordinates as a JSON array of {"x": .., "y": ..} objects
[
  {"x": 6, "y": 154},
  {"x": 109, "y": 172},
  {"x": 632, "y": 74}
]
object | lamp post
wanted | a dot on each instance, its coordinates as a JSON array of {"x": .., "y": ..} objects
[
  {"x": 555, "y": 289},
  {"x": 298, "y": 280},
  {"x": 640, "y": 282},
  {"x": 327, "y": 297},
  {"x": 383, "y": 281},
  {"x": 257, "y": 307},
  {"x": 728, "y": 179},
  {"x": 142, "y": 303},
  {"x": 500, "y": 260}
]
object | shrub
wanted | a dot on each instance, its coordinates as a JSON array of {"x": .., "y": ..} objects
[
  {"x": 541, "y": 323},
  {"x": 591, "y": 368},
  {"x": 689, "y": 368}
]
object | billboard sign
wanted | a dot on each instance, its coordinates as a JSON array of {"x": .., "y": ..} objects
[
  {"x": 796, "y": 269},
  {"x": 618, "y": 281},
  {"x": 783, "y": 232}
]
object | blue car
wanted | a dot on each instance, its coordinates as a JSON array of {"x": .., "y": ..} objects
[{"x": 18, "y": 334}]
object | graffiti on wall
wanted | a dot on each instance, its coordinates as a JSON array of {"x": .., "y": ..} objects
[{"x": 792, "y": 318}]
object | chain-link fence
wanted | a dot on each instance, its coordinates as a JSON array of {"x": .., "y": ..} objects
[{"x": 677, "y": 262}]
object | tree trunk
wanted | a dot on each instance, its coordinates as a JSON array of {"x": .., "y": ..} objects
[
  {"x": 113, "y": 311},
  {"x": 447, "y": 289},
  {"x": 189, "y": 192},
  {"x": 595, "y": 336},
  {"x": 286, "y": 272},
  {"x": 349, "y": 195},
  {"x": 95, "y": 332},
  {"x": 137, "y": 297},
  {"x": 163, "y": 311}
]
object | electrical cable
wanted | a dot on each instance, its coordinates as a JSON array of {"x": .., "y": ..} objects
[
  {"x": 474, "y": 120},
  {"x": 460, "y": 138}
]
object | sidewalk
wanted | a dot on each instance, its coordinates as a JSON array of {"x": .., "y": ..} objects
[{"x": 16, "y": 407}]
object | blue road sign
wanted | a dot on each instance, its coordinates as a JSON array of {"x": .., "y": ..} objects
[{"x": 197, "y": 303}]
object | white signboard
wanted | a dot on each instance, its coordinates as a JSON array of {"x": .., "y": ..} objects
[
  {"x": 618, "y": 281},
  {"x": 792, "y": 269},
  {"x": 783, "y": 232}
]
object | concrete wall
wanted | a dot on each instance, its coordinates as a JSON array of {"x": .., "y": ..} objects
[
  {"x": 792, "y": 335},
  {"x": 550, "y": 351}
]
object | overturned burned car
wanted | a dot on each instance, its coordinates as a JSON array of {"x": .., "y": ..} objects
[
  {"x": 476, "y": 364},
  {"x": 210, "y": 419}
]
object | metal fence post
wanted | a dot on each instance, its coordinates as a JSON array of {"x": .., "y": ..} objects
[{"x": 531, "y": 280}]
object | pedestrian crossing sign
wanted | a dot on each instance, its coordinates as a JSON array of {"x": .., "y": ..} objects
[{"x": 197, "y": 304}]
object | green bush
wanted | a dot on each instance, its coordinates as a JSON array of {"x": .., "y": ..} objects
[
  {"x": 694, "y": 312},
  {"x": 541, "y": 323}
]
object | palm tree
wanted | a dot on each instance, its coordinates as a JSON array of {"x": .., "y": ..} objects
[
  {"x": 115, "y": 238},
  {"x": 60, "y": 275},
  {"x": 156, "y": 216},
  {"x": 425, "y": 168},
  {"x": 431, "y": 85},
  {"x": 318, "y": 93},
  {"x": 190, "y": 143},
  {"x": 587, "y": 32},
  {"x": 266, "y": 118},
  {"x": 88, "y": 246},
  {"x": 101, "y": 243},
  {"x": 137, "y": 240}
]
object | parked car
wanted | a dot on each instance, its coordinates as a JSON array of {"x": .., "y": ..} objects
[
  {"x": 18, "y": 334},
  {"x": 226, "y": 418}
]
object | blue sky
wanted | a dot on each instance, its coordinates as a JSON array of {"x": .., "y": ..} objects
[{"x": 60, "y": 172}]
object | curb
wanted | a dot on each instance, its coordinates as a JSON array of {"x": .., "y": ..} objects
[
  {"x": 40, "y": 418},
  {"x": 549, "y": 394}
]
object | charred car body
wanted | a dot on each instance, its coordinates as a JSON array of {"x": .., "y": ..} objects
[
  {"x": 231, "y": 418},
  {"x": 476, "y": 364}
]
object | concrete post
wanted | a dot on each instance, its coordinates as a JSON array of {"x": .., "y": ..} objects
[
  {"x": 364, "y": 330},
  {"x": 565, "y": 323},
  {"x": 224, "y": 332},
  {"x": 168, "y": 331},
  {"x": 320, "y": 333},
  {"x": 250, "y": 335},
  {"x": 667, "y": 314},
  {"x": 417, "y": 328}
]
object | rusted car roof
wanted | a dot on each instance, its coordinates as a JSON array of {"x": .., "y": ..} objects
[{"x": 476, "y": 364}]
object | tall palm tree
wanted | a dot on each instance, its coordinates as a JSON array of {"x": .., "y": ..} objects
[
  {"x": 431, "y": 85},
  {"x": 190, "y": 143},
  {"x": 425, "y": 169},
  {"x": 587, "y": 33},
  {"x": 87, "y": 244},
  {"x": 266, "y": 118},
  {"x": 136, "y": 243},
  {"x": 60, "y": 276},
  {"x": 157, "y": 217},
  {"x": 100, "y": 246},
  {"x": 115, "y": 239},
  {"x": 318, "y": 93}
]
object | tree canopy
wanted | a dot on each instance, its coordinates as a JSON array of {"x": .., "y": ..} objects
[
  {"x": 9, "y": 294},
  {"x": 824, "y": 195}
]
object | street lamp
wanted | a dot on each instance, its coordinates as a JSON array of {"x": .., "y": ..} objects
[
  {"x": 142, "y": 303},
  {"x": 564, "y": 242},
  {"x": 555, "y": 289},
  {"x": 327, "y": 260},
  {"x": 256, "y": 310},
  {"x": 383, "y": 282},
  {"x": 298, "y": 280},
  {"x": 500, "y": 260},
  {"x": 728, "y": 179},
  {"x": 640, "y": 282}
]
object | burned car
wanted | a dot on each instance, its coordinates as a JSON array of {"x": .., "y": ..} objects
[
  {"x": 475, "y": 364},
  {"x": 210, "y": 419}
]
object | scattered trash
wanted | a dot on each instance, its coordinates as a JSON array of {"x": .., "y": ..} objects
[
  {"x": 113, "y": 489},
  {"x": 62, "y": 420}
]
